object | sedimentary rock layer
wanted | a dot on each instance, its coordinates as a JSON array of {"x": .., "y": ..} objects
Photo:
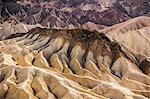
[
  {"x": 70, "y": 64},
  {"x": 73, "y": 13}
]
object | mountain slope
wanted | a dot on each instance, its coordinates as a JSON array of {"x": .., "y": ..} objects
[
  {"x": 63, "y": 13},
  {"x": 77, "y": 63}
]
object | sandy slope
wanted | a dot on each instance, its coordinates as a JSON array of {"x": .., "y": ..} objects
[{"x": 76, "y": 64}]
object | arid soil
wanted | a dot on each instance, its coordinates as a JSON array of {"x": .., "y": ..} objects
[{"x": 46, "y": 63}]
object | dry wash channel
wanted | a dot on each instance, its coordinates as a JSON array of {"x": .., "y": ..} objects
[{"x": 68, "y": 64}]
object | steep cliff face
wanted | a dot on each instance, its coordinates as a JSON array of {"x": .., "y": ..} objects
[
  {"x": 76, "y": 63},
  {"x": 63, "y": 13}
]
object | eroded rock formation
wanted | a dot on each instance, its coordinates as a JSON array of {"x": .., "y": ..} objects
[
  {"x": 8, "y": 29},
  {"x": 77, "y": 13},
  {"x": 77, "y": 64}
]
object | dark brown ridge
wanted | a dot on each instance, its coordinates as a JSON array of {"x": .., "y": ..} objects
[
  {"x": 98, "y": 43},
  {"x": 93, "y": 41}
]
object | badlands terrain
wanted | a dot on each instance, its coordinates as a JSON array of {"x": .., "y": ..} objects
[
  {"x": 74, "y": 49},
  {"x": 45, "y": 63},
  {"x": 73, "y": 13}
]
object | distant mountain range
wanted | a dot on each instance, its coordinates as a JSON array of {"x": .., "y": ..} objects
[{"x": 73, "y": 13}]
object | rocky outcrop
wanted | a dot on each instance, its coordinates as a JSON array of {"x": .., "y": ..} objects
[
  {"x": 75, "y": 13},
  {"x": 8, "y": 29},
  {"x": 136, "y": 8},
  {"x": 76, "y": 63}
]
